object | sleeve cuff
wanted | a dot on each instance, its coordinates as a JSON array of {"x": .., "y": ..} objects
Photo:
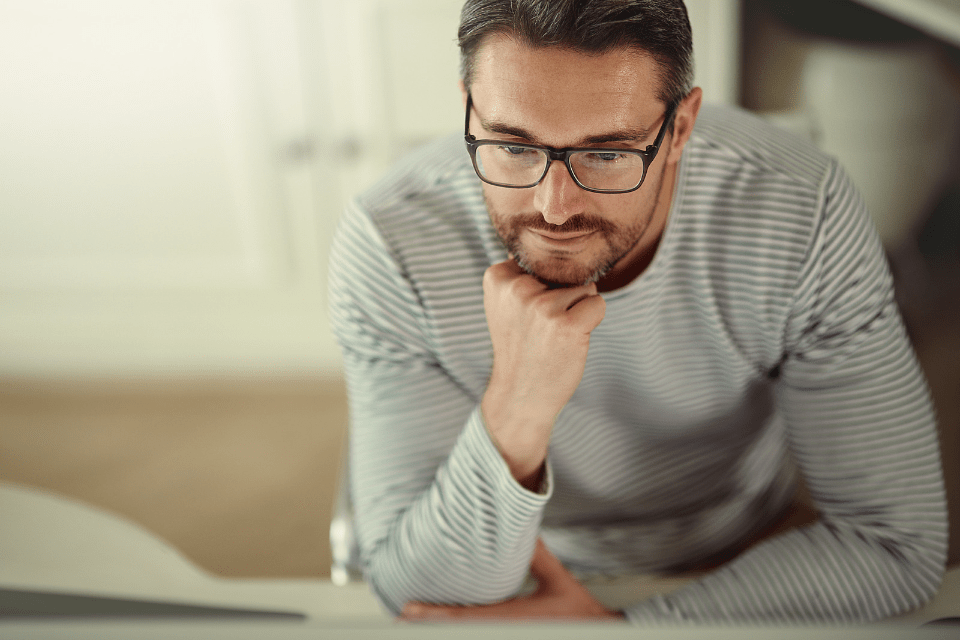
[{"x": 477, "y": 439}]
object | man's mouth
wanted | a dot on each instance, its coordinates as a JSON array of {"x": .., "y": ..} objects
[
  {"x": 568, "y": 240},
  {"x": 555, "y": 235}
]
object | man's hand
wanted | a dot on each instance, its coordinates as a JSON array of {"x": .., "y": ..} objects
[
  {"x": 558, "y": 596},
  {"x": 540, "y": 341}
]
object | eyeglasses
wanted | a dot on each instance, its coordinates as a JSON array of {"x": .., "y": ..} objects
[{"x": 520, "y": 166}]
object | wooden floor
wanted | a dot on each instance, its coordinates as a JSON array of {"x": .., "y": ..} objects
[{"x": 240, "y": 475}]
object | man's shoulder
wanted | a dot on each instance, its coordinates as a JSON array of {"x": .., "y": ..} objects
[
  {"x": 428, "y": 204},
  {"x": 751, "y": 202},
  {"x": 732, "y": 136},
  {"x": 438, "y": 169}
]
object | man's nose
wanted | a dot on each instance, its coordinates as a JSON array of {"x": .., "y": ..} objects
[{"x": 558, "y": 197}]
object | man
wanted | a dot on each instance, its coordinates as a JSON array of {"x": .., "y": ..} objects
[{"x": 604, "y": 337}]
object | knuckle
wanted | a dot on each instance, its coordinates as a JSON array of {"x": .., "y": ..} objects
[
  {"x": 600, "y": 304},
  {"x": 543, "y": 305},
  {"x": 597, "y": 308},
  {"x": 518, "y": 287},
  {"x": 489, "y": 280}
]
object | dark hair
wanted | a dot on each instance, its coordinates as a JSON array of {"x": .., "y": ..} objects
[{"x": 660, "y": 28}]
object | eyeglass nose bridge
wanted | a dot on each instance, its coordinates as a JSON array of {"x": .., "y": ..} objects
[{"x": 561, "y": 156}]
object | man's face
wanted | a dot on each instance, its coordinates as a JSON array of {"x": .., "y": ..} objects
[{"x": 561, "y": 98}]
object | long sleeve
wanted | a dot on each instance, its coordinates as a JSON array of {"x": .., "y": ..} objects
[
  {"x": 861, "y": 429},
  {"x": 439, "y": 516}
]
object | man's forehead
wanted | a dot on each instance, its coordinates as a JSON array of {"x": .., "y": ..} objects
[
  {"x": 570, "y": 93},
  {"x": 504, "y": 63}
]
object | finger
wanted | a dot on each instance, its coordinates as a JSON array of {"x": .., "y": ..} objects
[
  {"x": 589, "y": 311},
  {"x": 423, "y": 611},
  {"x": 502, "y": 274},
  {"x": 546, "y": 568},
  {"x": 509, "y": 267},
  {"x": 517, "y": 608},
  {"x": 583, "y": 293},
  {"x": 567, "y": 297}
]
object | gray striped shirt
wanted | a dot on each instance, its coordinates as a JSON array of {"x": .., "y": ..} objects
[{"x": 762, "y": 340}]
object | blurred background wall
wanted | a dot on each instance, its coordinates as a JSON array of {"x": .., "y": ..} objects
[{"x": 172, "y": 171}]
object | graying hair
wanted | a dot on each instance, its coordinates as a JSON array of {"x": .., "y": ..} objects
[{"x": 660, "y": 28}]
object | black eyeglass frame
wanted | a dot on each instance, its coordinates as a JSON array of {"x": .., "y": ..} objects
[{"x": 647, "y": 155}]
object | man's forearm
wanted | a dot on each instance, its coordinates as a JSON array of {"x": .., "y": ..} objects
[
  {"x": 540, "y": 338},
  {"x": 466, "y": 539},
  {"x": 521, "y": 439}
]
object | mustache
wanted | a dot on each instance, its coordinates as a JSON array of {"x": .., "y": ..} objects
[{"x": 579, "y": 223}]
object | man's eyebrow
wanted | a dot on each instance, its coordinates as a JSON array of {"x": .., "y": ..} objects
[{"x": 623, "y": 135}]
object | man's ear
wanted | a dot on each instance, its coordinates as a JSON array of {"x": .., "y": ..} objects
[
  {"x": 683, "y": 121},
  {"x": 463, "y": 92}
]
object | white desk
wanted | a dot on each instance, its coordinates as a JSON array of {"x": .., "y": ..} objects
[{"x": 50, "y": 543}]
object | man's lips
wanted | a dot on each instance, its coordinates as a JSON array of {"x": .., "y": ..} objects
[{"x": 561, "y": 237}]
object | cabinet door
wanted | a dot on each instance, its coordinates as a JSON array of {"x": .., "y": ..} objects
[{"x": 157, "y": 208}]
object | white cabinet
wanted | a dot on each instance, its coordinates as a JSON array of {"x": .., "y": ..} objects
[{"x": 159, "y": 209}]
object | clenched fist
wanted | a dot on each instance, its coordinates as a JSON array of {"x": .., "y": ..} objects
[{"x": 540, "y": 341}]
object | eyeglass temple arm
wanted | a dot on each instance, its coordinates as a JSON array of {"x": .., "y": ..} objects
[
  {"x": 466, "y": 118},
  {"x": 652, "y": 149}
]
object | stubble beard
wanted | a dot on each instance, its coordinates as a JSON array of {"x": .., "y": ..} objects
[{"x": 562, "y": 270}]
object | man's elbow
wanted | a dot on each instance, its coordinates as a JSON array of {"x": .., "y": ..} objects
[
  {"x": 468, "y": 584},
  {"x": 922, "y": 569}
]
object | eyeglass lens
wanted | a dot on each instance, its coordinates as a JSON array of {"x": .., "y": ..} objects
[{"x": 520, "y": 166}]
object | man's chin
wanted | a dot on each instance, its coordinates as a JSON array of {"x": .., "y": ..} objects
[{"x": 560, "y": 272}]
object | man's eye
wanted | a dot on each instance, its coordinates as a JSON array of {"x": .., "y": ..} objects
[
  {"x": 517, "y": 151},
  {"x": 605, "y": 156}
]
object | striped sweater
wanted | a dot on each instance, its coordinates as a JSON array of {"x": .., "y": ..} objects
[{"x": 762, "y": 342}]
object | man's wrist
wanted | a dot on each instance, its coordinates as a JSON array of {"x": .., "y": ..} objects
[
  {"x": 521, "y": 440},
  {"x": 534, "y": 482}
]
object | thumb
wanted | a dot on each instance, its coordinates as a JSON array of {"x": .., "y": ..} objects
[{"x": 589, "y": 311}]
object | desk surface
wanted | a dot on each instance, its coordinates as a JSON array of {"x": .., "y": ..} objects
[
  {"x": 233, "y": 631},
  {"x": 49, "y": 543}
]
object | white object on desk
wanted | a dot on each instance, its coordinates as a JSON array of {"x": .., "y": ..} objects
[{"x": 52, "y": 543}]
